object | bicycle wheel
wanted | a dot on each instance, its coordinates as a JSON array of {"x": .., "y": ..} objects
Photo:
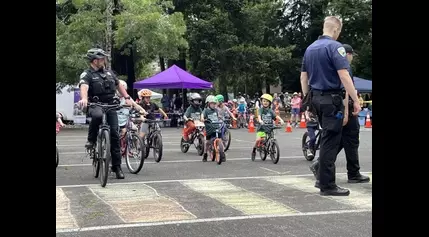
[
  {"x": 218, "y": 144},
  {"x": 274, "y": 152},
  {"x": 200, "y": 147},
  {"x": 184, "y": 146},
  {"x": 227, "y": 141},
  {"x": 304, "y": 146},
  {"x": 134, "y": 153},
  {"x": 58, "y": 156},
  {"x": 104, "y": 156},
  {"x": 95, "y": 163},
  {"x": 263, "y": 153},
  {"x": 157, "y": 147},
  {"x": 146, "y": 146}
]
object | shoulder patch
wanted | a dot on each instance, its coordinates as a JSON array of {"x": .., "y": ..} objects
[
  {"x": 342, "y": 51},
  {"x": 83, "y": 75}
]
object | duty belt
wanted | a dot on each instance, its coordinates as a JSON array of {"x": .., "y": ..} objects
[{"x": 326, "y": 92}]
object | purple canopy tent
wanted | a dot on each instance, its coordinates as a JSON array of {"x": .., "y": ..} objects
[{"x": 173, "y": 78}]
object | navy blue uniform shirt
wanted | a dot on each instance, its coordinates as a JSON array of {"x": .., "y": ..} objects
[{"x": 322, "y": 59}]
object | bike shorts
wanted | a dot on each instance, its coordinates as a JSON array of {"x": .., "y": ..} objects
[
  {"x": 210, "y": 136},
  {"x": 260, "y": 134}
]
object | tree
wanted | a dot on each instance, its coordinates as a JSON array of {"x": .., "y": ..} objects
[{"x": 141, "y": 24}]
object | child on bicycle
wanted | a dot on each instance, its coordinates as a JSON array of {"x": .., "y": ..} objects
[
  {"x": 210, "y": 113},
  {"x": 150, "y": 109},
  {"x": 266, "y": 116},
  {"x": 193, "y": 112},
  {"x": 312, "y": 127},
  {"x": 222, "y": 109},
  {"x": 59, "y": 122}
]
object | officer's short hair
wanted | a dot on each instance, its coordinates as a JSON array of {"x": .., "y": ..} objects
[{"x": 332, "y": 20}]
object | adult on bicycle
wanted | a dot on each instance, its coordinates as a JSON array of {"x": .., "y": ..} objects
[
  {"x": 150, "y": 108},
  {"x": 97, "y": 81},
  {"x": 193, "y": 112}
]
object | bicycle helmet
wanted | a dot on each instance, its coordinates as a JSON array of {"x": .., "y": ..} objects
[
  {"x": 211, "y": 99},
  {"x": 234, "y": 100},
  {"x": 95, "y": 53},
  {"x": 267, "y": 97},
  {"x": 195, "y": 99},
  {"x": 242, "y": 100},
  {"x": 145, "y": 93},
  {"x": 220, "y": 98}
]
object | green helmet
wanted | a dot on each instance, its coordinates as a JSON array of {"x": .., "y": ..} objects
[
  {"x": 220, "y": 98},
  {"x": 211, "y": 99}
]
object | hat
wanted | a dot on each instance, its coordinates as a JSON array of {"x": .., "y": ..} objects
[{"x": 349, "y": 49}]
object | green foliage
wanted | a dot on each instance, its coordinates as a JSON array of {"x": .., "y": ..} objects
[{"x": 81, "y": 24}]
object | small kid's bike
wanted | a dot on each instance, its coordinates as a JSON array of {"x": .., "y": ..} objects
[
  {"x": 269, "y": 145},
  {"x": 197, "y": 134},
  {"x": 132, "y": 148},
  {"x": 310, "y": 153},
  {"x": 154, "y": 139},
  {"x": 216, "y": 148}
]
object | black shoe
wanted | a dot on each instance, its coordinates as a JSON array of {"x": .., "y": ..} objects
[
  {"x": 89, "y": 145},
  {"x": 337, "y": 191},
  {"x": 205, "y": 157},
  {"x": 359, "y": 179},
  {"x": 119, "y": 173},
  {"x": 317, "y": 184}
]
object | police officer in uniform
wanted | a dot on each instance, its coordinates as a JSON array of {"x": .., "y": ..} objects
[
  {"x": 350, "y": 138},
  {"x": 324, "y": 69},
  {"x": 99, "y": 82}
]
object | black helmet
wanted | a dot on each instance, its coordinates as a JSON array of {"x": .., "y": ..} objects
[
  {"x": 195, "y": 99},
  {"x": 95, "y": 53}
]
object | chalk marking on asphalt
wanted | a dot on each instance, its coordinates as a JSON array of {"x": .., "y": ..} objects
[
  {"x": 108, "y": 204},
  {"x": 180, "y": 161},
  {"x": 184, "y": 180},
  {"x": 245, "y": 201},
  {"x": 64, "y": 217},
  {"x": 141, "y": 203},
  {"x": 238, "y": 140},
  {"x": 173, "y": 200},
  {"x": 168, "y": 149},
  {"x": 356, "y": 198},
  {"x": 277, "y": 172},
  {"x": 206, "y": 220}
]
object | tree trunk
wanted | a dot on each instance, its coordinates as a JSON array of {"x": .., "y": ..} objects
[{"x": 109, "y": 31}]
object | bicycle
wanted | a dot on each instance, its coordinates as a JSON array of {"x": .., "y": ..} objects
[
  {"x": 197, "y": 134},
  {"x": 153, "y": 139},
  {"x": 216, "y": 147},
  {"x": 100, "y": 151},
  {"x": 58, "y": 126},
  {"x": 241, "y": 120},
  {"x": 226, "y": 138},
  {"x": 269, "y": 145},
  {"x": 131, "y": 140},
  {"x": 306, "y": 144}
]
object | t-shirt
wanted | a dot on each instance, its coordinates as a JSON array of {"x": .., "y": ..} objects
[
  {"x": 241, "y": 108},
  {"x": 267, "y": 116},
  {"x": 150, "y": 109},
  {"x": 193, "y": 113},
  {"x": 123, "y": 114},
  {"x": 223, "y": 112},
  {"x": 213, "y": 116}
]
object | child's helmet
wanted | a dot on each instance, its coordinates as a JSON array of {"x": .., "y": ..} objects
[
  {"x": 242, "y": 100},
  {"x": 145, "y": 93},
  {"x": 234, "y": 100},
  {"x": 267, "y": 97},
  {"x": 220, "y": 98},
  {"x": 211, "y": 99},
  {"x": 195, "y": 99}
]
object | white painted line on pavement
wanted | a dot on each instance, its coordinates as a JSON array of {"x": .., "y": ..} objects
[
  {"x": 277, "y": 172},
  {"x": 205, "y": 220},
  {"x": 182, "y": 161},
  {"x": 187, "y": 180}
]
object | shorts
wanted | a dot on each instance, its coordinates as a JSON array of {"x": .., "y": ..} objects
[
  {"x": 144, "y": 128},
  {"x": 295, "y": 111},
  {"x": 121, "y": 127},
  {"x": 260, "y": 134},
  {"x": 210, "y": 136}
]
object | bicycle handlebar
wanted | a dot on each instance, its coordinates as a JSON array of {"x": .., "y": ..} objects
[
  {"x": 156, "y": 120},
  {"x": 104, "y": 106}
]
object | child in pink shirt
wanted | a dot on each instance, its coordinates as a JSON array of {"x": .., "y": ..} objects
[{"x": 296, "y": 105}]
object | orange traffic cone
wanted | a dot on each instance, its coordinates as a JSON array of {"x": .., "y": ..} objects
[
  {"x": 251, "y": 125},
  {"x": 288, "y": 127},
  {"x": 302, "y": 124},
  {"x": 368, "y": 121}
]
